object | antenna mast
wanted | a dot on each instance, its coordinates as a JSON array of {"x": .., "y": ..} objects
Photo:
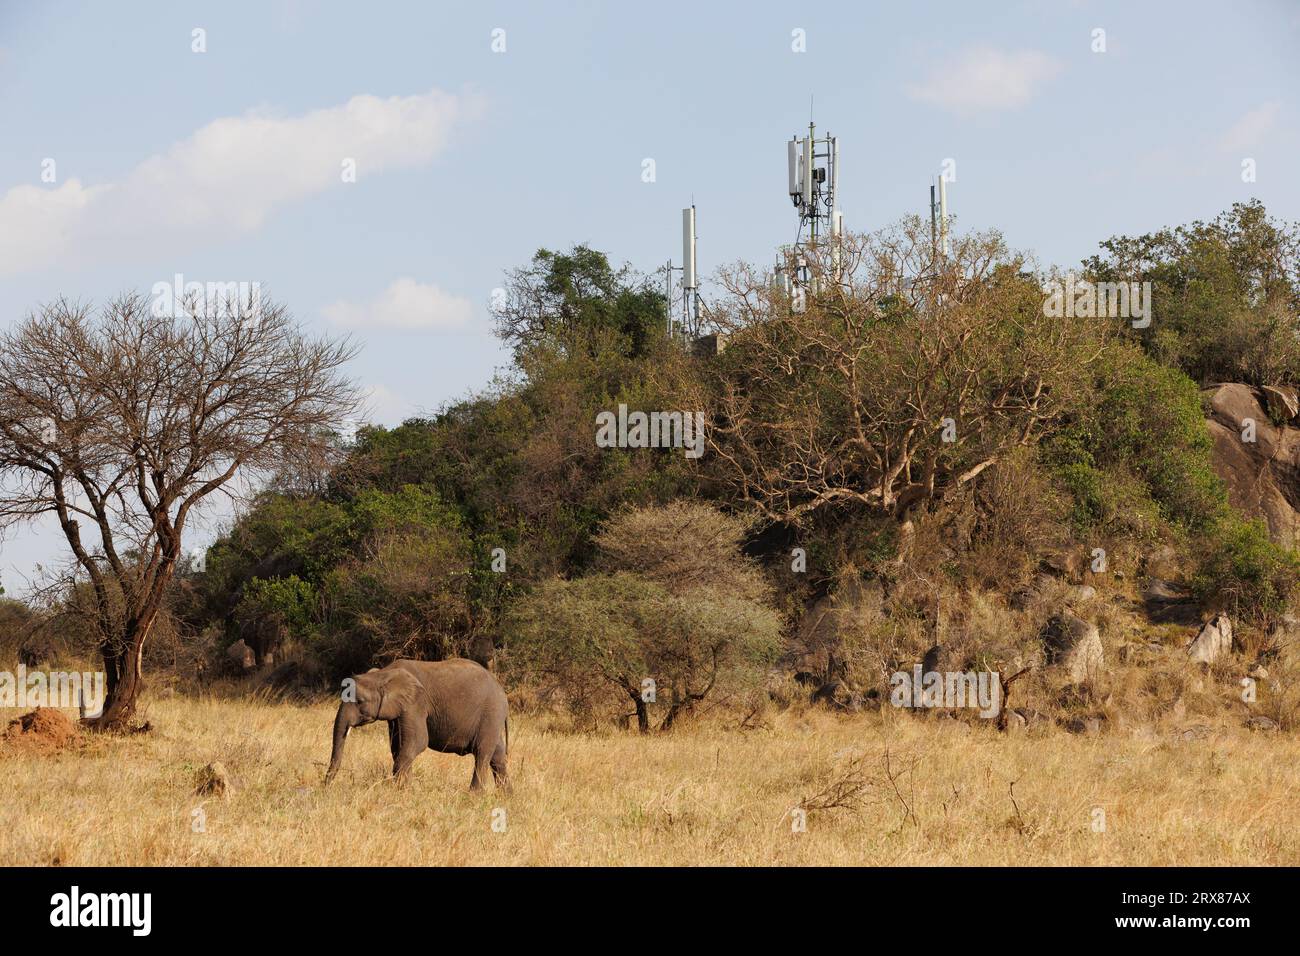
[
  {"x": 814, "y": 172},
  {"x": 683, "y": 315}
]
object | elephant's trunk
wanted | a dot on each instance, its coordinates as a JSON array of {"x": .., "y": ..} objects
[{"x": 344, "y": 722}]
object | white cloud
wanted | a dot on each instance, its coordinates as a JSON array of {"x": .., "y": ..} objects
[
  {"x": 405, "y": 304},
  {"x": 36, "y": 223},
  {"x": 984, "y": 79},
  {"x": 226, "y": 178},
  {"x": 1250, "y": 129},
  {"x": 384, "y": 406}
]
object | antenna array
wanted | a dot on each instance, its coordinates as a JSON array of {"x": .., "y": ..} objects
[
  {"x": 683, "y": 315},
  {"x": 813, "y": 168}
]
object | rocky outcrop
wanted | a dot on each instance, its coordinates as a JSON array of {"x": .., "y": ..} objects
[{"x": 1263, "y": 476}]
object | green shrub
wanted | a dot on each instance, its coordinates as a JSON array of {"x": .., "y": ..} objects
[{"x": 1242, "y": 570}]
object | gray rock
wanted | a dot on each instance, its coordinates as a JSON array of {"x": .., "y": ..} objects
[
  {"x": 1213, "y": 642},
  {"x": 1063, "y": 564},
  {"x": 1082, "y": 594},
  {"x": 1282, "y": 403},
  {"x": 1073, "y": 644}
]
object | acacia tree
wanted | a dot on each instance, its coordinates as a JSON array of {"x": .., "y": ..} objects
[
  {"x": 122, "y": 426},
  {"x": 904, "y": 376},
  {"x": 672, "y": 600}
]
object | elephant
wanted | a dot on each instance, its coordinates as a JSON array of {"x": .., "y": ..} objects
[{"x": 454, "y": 706}]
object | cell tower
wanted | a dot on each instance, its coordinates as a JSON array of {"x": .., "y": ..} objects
[
  {"x": 814, "y": 171},
  {"x": 940, "y": 243},
  {"x": 683, "y": 314}
]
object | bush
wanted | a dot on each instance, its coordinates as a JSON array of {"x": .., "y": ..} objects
[
  {"x": 675, "y": 604},
  {"x": 1242, "y": 570},
  {"x": 1141, "y": 445}
]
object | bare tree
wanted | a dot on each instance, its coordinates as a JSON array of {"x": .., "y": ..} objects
[
  {"x": 122, "y": 426},
  {"x": 902, "y": 376}
]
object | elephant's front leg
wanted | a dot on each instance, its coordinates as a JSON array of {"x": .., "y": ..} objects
[
  {"x": 394, "y": 741},
  {"x": 408, "y": 736}
]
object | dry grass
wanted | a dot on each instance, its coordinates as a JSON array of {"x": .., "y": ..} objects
[{"x": 708, "y": 794}]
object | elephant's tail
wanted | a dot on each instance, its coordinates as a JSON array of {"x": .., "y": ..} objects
[{"x": 507, "y": 734}]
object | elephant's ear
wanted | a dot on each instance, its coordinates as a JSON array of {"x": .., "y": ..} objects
[{"x": 398, "y": 686}]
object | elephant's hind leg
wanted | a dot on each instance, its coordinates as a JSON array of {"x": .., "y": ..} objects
[
  {"x": 409, "y": 737},
  {"x": 481, "y": 759},
  {"x": 499, "y": 767}
]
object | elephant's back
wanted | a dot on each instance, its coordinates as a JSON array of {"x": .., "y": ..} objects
[{"x": 456, "y": 677}]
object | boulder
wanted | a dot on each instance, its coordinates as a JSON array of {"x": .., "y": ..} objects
[
  {"x": 1081, "y": 594},
  {"x": 1064, "y": 564},
  {"x": 1213, "y": 641},
  {"x": 1282, "y": 402},
  {"x": 1263, "y": 476},
  {"x": 1074, "y": 645},
  {"x": 241, "y": 656},
  {"x": 1261, "y": 724}
]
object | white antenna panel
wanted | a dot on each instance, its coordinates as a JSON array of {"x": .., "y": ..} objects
[
  {"x": 807, "y": 170},
  {"x": 688, "y": 248},
  {"x": 792, "y": 161}
]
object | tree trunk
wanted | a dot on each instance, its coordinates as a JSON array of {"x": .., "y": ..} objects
[
  {"x": 122, "y": 677},
  {"x": 642, "y": 711}
]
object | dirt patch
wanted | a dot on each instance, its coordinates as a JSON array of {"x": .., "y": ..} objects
[{"x": 44, "y": 730}]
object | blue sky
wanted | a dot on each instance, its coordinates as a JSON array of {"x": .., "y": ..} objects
[{"x": 226, "y": 165}]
